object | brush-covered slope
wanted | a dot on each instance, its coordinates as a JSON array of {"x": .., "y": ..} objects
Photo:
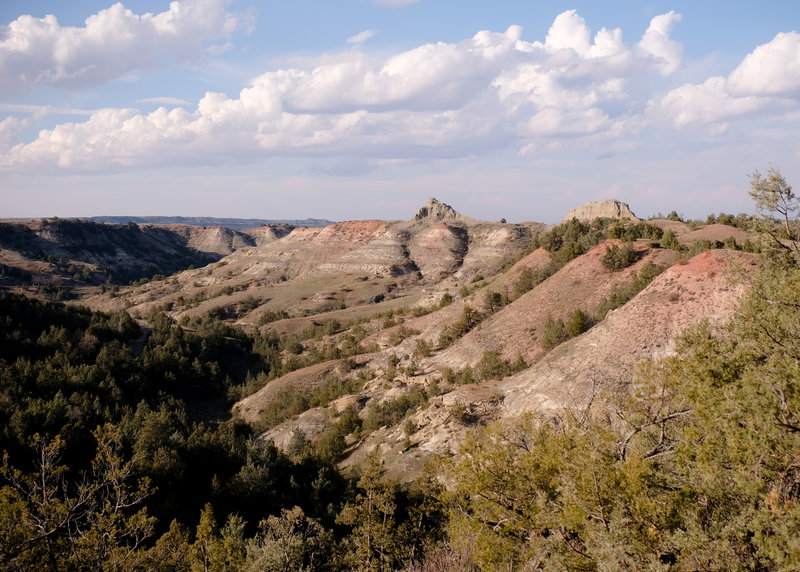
[
  {"x": 516, "y": 329},
  {"x": 425, "y": 327},
  {"x": 702, "y": 287},
  {"x": 563, "y": 379}
]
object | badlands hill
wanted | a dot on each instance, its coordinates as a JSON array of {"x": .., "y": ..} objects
[
  {"x": 420, "y": 329},
  {"x": 70, "y": 252}
]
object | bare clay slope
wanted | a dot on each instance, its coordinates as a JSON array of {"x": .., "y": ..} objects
[
  {"x": 316, "y": 271},
  {"x": 516, "y": 329},
  {"x": 702, "y": 288},
  {"x": 645, "y": 328}
]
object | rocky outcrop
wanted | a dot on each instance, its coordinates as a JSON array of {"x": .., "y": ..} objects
[
  {"x": 610, "y": 208},
  {"x": 436, "y": 211},
  {"x": 377, "y": 256}
]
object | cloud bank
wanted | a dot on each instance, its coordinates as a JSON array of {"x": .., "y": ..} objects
[
  {"x": 113, "y": 42},
  {"x": 444, "y": 100}
]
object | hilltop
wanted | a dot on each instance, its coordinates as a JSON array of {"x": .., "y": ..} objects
[
  {"x": 609, "y": 208},
  {"x": 417, "y": 372},
  {"x": 444, "y": 319}
]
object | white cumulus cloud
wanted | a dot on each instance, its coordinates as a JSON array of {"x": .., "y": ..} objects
[
  {"x": 492, "y": 91},
  {"x": 112, "y": 43},
  {"x": 705, "y": 103},
  {"x": 569, "y": 31},
  {"x": 656, "y": 42},
  {"x": 767, "y": 79},
  {"x": 770, "y": 69}
]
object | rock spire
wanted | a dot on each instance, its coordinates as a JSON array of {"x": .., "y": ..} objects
[{"x": 435, "y": 211}]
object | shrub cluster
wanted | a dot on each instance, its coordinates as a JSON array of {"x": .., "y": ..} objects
[
  {"x": 617, "y": 258},
  {"x": 392, "y": 411}
]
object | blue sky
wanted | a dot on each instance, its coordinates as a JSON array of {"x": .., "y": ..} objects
[{"x": 354, "y": 109}]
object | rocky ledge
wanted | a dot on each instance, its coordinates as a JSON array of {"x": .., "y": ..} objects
[{"x": 610, "y": 208}]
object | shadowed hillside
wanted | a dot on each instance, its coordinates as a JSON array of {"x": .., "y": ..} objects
[{"x": 412, "y": 356}]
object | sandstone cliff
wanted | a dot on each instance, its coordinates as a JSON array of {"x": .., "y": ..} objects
[{"x": 610, "y": 208}]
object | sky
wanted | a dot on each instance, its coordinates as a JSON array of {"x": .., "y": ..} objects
[{"x": 358, "y": 109}]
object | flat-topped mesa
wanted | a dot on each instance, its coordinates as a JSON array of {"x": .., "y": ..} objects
[
  {"x": 435, "y": 211},
  {"x": 609, "y": 208}
]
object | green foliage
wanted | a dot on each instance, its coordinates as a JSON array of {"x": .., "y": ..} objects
[
  {"x": 401, "y": 333},
  {"x": 349, "y": 422},
  {"x": 578, "y": 323},
  {"x": 93, "y": 521},
  {"x": 333, "y": 388},
  {"x": 270, "y": 316},
  {"x": 388, "y": 526},
  {"x": 330, "y": 446},
  {"x": 392, "y": 411},
  {"x": 299, "y": 447},
  {"x": 519, "y": 364},
  {"x": 524, "y": 283},
  {"x": 493, "y": 301},
  {"x": 556, "y": 331},
  {"x": 114, "y": 457},
  {"x": 703, "y": 245},
  {"x": 639, "y": 280},
  {"x": 463, "y": 376},
  {"x": 631, "y": 232},
  {"x": 777, "y": 208},
  {"x": 492, "y": 366},
  {"x": 468, "y": 320},
  {"x": 460, "y": 413},
  {"x": 741, "y": 220},
  {"x": 290, "y": 541},
  {"x": 617, "y": 258},
  {"x": 292, "y": 401},
  {"x": 65, "y": 371},
  {"x": 422, "y": 348},
  {"x": 698, "y": 471},
  {"x": 570, "y": 239},
  {"x": 669, "y": 240},
  {"x": 553, "y": 333}
]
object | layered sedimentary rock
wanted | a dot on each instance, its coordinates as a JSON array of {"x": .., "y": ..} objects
[{"x": 610, "y": 208}]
